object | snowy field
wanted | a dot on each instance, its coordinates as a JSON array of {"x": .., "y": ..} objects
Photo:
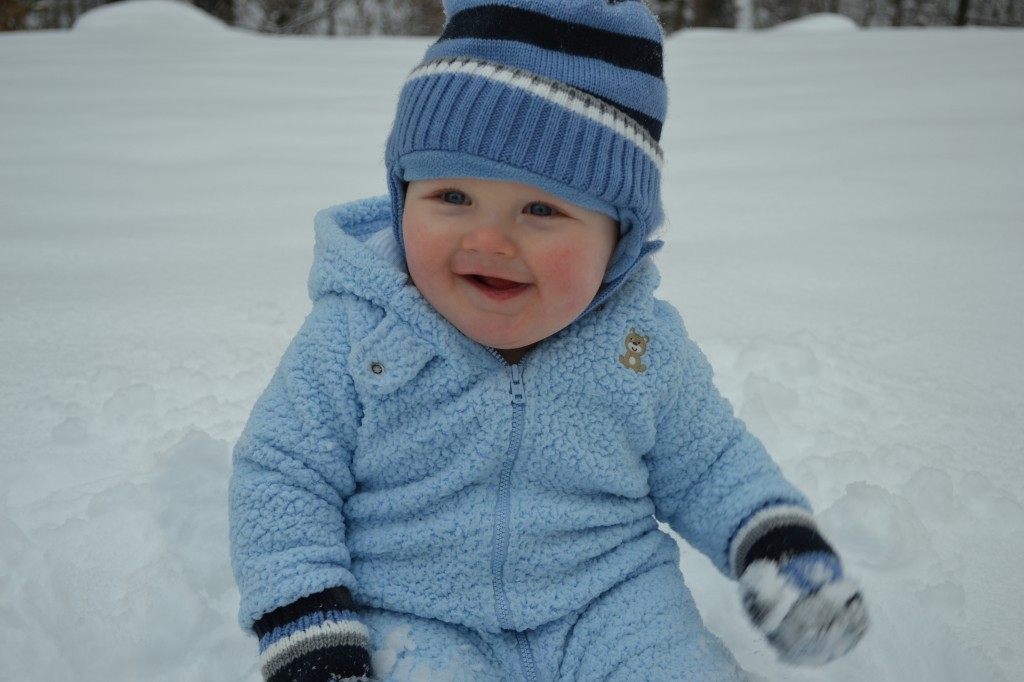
[{"x": 846, "y": 241}]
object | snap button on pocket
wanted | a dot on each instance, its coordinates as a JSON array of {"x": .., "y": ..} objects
[{"x": 387, "y": 357}]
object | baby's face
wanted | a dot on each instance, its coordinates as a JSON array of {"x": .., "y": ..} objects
[{"x": 507, "y": 264}]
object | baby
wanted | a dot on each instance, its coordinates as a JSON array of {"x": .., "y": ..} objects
[{"x": 458, "y": 470}]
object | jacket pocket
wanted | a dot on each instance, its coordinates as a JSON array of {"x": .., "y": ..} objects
[{"x": 387, "y": 358}]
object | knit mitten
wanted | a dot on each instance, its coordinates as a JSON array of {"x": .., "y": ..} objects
[
  {"x": 318, "y": 638},
  {"x": 794, "y": 590}
]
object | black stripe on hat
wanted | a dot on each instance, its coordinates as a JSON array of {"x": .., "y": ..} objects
[{"x": 497, "y": 22}]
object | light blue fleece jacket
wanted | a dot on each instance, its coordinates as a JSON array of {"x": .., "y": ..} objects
[{"x": 394, "y": 456}]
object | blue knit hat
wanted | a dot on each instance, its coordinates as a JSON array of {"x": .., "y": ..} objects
[{"x": 565, "y": 95}]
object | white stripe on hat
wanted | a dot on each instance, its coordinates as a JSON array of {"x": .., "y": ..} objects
[{"x": 560, "y": 95}]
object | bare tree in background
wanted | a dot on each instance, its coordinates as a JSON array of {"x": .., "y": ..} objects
[
  {"x": 38, "y": 14},
  {"x": 678, "y": 14},
  {"x": 673, "y": 14},
  {"x": 425, "y": 17},
  {"x": 222, "y": 9},
  {"x": 714, "y": 14},
  {"x": 961, "y": 13},
  {"x": 403, "y": 17},
  {"x": 13, "y": 15},
  {"x": 342, "y": 17},
  {"x": 286, "y": 16}
]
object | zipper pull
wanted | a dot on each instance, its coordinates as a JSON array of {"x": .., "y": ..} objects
[{"x": 516, "y": 387}]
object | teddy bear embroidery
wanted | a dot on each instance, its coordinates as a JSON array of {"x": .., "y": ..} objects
[{"x": 636, "y": 346}]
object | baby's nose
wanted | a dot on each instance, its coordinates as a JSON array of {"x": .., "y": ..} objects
[{"x": 490, "y": 236}]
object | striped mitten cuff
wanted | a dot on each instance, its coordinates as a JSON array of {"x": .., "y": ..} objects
[
  {"x": 775, "y": 534},
  {"x": 318, "y": 638}
]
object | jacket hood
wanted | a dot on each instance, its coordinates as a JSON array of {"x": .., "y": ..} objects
[
  {"x": 352, "y": 252},
  {"x": 356, "y": 254}
]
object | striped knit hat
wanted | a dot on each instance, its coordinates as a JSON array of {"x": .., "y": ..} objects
[{"x": 565, "y": 95}]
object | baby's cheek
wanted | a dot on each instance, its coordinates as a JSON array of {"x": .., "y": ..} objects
[{"x": 574, "y": 278}]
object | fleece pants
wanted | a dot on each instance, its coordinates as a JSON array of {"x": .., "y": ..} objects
[{"x": 647, "y": 628}]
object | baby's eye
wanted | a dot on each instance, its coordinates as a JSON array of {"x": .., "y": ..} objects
[
  {"x": 454, "y": 196},
  {"x": 542, "y": 210}
]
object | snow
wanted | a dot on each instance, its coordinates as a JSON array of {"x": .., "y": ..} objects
[
  {"x": 175, "y": 20},
  {"x": 845, "y": 242},
  {"x": 822, "y": 21}
]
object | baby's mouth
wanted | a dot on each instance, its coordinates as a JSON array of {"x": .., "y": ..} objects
[
  {"x": 496, "y": 288},
  {"x": 496, "y": 283}
]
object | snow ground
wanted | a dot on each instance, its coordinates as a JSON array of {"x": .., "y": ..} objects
[{"x": 846, "y": 240}]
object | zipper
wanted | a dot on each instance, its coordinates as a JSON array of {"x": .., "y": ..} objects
[
  {"x": 516, "y": 387},
  {"x": 503, "y": 508},
  {"x": 499, "y": 551}
]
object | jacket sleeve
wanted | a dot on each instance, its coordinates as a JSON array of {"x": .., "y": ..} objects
[
  {"x": 709, "y": 476},
  {"x": 292, "y": 474}
]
